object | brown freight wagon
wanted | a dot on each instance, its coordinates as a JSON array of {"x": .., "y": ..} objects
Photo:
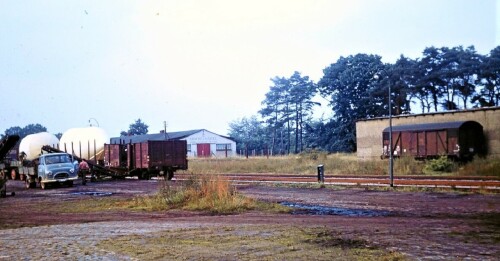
[
  {"x": 459, "y": 139},
  {"x": 148, "y": 158}
]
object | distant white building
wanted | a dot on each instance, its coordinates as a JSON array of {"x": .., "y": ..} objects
[{"x": 200, "y": 143}]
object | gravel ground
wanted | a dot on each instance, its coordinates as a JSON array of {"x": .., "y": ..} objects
[
  {"x": 73, "y": 242},
  {"x": 423, "y": 226}
]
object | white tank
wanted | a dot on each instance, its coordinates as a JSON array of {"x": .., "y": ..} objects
[
  {"x": 81, "y": 141},
  {"x": 32, "y": 144}
]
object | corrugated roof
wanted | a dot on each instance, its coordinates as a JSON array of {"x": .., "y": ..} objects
[
  {"x": 155, "y": 136},
  {"x": 430, "y": 126}
]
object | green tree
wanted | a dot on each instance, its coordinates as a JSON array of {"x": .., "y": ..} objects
[
  {"x": 25, "y": 131},
  {"x": 288, "y": 103},
  {"x": 489, "y": 79},
  {"x": 302, "y": 90},
  {"x": 276, "y": 113},
  {"x": 136, "y": 128},
  {"x": 249, "y": 134},
  {"x": 353, "y": 95}
]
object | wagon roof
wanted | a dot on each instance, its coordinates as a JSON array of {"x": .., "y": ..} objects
[
  {"x": 156, "y": 136},
  {"x": 431, "y": 126}
]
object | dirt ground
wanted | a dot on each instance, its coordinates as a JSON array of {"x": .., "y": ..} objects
[{"x": 420, "y": 225}]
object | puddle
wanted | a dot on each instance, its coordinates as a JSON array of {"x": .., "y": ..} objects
[
  {"x": 304, "y": 209},
  {"x": 92, "y": 193}
]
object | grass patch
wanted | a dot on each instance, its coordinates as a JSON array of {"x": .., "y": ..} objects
[
  {"x": 342, "y": 164},
  {"x": 246, "y": 243},
  {"x": 488, "y": 166},
  {"x": 488, "y": 231},
  {"x": 304, "y": 163},
  {"x": 209, "y": 193}
]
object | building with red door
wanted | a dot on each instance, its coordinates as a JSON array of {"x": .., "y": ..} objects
[{"x": 200, "y": 143}]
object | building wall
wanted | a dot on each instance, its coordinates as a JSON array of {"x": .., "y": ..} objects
[
  {"x": 369, "y": 132},
  {"x": 207, "y": 137}
]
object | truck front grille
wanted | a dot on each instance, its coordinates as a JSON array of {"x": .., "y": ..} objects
[{"x": 61, "y": 176}]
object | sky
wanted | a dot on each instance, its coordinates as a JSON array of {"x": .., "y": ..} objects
[{"x": 200, "y": 64}]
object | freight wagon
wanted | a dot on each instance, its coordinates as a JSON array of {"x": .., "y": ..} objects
[
  {"x": 148, "y": 158},
  {"x": 459, "y": 139}
]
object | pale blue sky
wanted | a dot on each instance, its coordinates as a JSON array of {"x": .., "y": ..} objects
[{"x": 201, "y": 64}]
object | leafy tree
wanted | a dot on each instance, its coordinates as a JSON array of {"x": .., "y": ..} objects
[
  {"x": 302, "y": 90},
  {"x": 136, "y": 128},
  {"x": 288, "y": 103},
  {"x": 431, "y": 81},
  {"x": 25, "y": 131},
  {"x": 277, "y": 113},
  {"x": 489, "y": 78},
  {"x": 249, "y": 134},
  {"x": 353, "y": 95},
  {"x": 468, "y": 69}
]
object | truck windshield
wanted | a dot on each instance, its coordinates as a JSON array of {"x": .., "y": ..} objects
[{"x": 54, "y": 159}]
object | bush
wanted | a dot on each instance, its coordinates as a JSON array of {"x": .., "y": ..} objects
[
  {"x": 441, "y": 164},
  {"x": 201, "y": 192}
]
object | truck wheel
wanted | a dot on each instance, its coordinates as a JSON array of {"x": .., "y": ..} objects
[{"x": 13, "y": 174}]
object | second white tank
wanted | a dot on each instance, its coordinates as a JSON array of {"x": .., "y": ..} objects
[{"x": 84, "y": 142}]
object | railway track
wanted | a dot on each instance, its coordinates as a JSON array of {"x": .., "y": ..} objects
[{"x": 471, "y": 182}]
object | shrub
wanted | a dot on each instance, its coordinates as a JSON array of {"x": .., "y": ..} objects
[
  {"x": 210, "y": 193},
  {"x": 441, "y": 164}
]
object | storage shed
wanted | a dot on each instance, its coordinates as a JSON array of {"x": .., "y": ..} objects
[{"x": 200, "y": 143}]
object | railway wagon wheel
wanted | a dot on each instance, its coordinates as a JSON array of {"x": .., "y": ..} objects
[
  {"x": 170, "y": 174},
  {"x": 144, "y": 175}
]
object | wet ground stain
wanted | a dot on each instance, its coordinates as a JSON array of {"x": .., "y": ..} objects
[
  {"x": 304, "y": 209},
  {"x": 92, "y": 193}
]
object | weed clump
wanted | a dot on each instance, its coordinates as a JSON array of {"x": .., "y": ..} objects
[
  {"x": 441, "y": 164},
  {"x": 481, "y": 167},
  {"x": 211, "y": 193}
]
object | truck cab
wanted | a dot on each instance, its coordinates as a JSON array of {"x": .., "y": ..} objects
[{"x": 53, "y": 168}]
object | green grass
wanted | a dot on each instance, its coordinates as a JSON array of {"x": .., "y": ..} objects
[
  {"x": 246, "y": 243},
  {"x": 339, "y": 164},
  {"x": 207, "y": 193},
  {"x": 489, "y": 166}
]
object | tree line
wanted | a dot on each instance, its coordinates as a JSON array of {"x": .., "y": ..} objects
[{"x": 357, "y": 87}]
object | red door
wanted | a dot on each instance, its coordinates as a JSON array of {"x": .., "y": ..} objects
[{"x": 203, "y": 150}]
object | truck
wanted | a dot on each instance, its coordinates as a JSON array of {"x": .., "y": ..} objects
[{"x": 49, "y": 169}]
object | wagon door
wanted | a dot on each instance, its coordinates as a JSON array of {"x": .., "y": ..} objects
[
  {"x": 431, "y": 143},
  {"x": 413, "y": 144},
  {"x": 422, "y": 151},
  {"x": 442, "y": 146}
]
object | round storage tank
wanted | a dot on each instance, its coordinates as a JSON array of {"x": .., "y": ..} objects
[
  {"x": 84, "y": 142},
  {"x": 32, "y": 144}
]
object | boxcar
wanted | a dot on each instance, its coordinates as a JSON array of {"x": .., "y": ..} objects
[
  {"x": 147, "y": 158},
  {"x": 458, "y": 139}
]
